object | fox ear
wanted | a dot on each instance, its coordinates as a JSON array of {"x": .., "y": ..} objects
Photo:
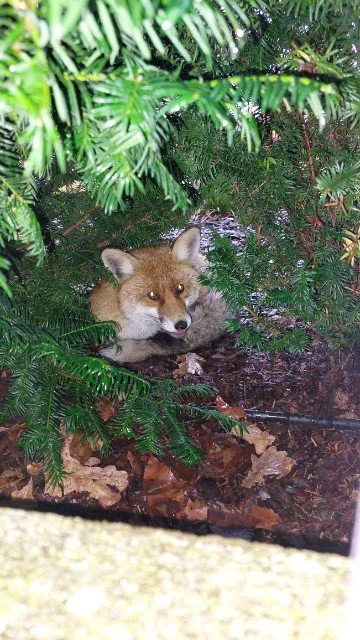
[
  {"x": 120, "y": 263},
  {"x": 186, "y": 247}
]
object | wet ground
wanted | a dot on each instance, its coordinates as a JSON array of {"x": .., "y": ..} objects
[{"x": 312, "y": 505}]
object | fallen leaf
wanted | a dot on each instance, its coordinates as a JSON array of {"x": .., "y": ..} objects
[
  {"x": 9, "y": 478},
  {"x": 225, "y": 457},
  {"x": 105, "y": 484},
  {"x": 234, "y": 412},
  {"x": 189, "y": 363},
  {"x": 255, "y": 436},
  {"x": 13, "y": 430},
  {"x": 236, "y": 430},
  {"x": 228, "y": 516},
  {"x": 166, "y": 494},
  {"x": 260, "y": 439},
  {"x": 272, "y": 462},
  {"x": 253, "y": 517},
  {"x": 156, "y": 475},
  {"x": 135, "y": 464},
  {"x": 168, "y": 500},
  {"x": 106, "y": 409},
  {"x": 26, "y": 493},
  {"x": 195, "y": 510},
  {"x": 264, "y": 518},
  {"x": 80, "y": 448},
  {"x": 92, "y": 462},
  {"x": 34, "y": 468}
]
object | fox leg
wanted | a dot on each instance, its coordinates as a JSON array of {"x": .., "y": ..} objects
[{"x": 137, "y": 350}]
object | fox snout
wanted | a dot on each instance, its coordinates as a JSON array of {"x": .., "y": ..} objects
[{"x": 176, "y": 328}]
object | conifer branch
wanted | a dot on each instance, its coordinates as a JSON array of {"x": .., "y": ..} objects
[
  {"x": 77, "y": 224},
  {"x": 308, "y": 148}
]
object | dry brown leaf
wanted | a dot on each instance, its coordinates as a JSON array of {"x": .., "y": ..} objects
[
  {"x": 264, "y": 518},
  {"x": 34, "y": 468},
  {"x": 270, "y": 463},
  {"x": 156, "y": 475},
  {"x": 195, "y": 510},
  {"x": 189, "y": 363},
  {"x": 168, "y": 500},
  {"x": 165, "y": 493},
  {"x": 105, "y": 484},
  {"x": 13, "y": 430},
  {"x": 9, "y": 478},
  {"x": 106, "y": 409},
  {"x": 92, "y": 462},
  {"x": 80, "y": 448},
  {"x": 135, "y": 464},
  {"x": 225, "y": 457},
  {"x": 26, "y": 493},
  {"x": 234, "y": 412},
  {"x": 260, "y": 439},
  {"x": 243, "y": 516}
]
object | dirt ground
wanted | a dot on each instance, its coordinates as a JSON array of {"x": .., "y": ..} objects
[{"x": 311, "y": 505}]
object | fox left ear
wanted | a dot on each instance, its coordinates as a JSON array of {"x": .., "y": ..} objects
[{"x": 187, "y": 246}]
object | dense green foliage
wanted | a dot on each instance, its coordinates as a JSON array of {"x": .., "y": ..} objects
[{"x": 119, "y": 117}]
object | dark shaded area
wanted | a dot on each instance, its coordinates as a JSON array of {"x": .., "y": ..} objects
[{"x": 196, "y": 528}]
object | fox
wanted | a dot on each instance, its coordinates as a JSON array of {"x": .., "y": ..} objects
[{"x": 158, "y": 303}]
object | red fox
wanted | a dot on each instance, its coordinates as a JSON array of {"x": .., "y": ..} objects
[{"x": 159, "y": 303}]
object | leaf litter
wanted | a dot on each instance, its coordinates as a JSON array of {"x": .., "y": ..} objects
[
  {"x": 314, "y": 500},
  {"x": 105, "y": 484},
  {"x": 26, "y": 493},
  {"x": 259, "y": 438},
  {"x": 271, "y": 463},
  {"x": 189, "y": 363}
]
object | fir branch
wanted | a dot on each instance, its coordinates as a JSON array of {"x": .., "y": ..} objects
[
  {"x": 77, "y": 224},
  {"x": 308, "y": 148}
]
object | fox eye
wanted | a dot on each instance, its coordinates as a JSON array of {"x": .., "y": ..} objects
[
  {"x": 153, "y": 296},
  {"x": 179, "y": 288}
]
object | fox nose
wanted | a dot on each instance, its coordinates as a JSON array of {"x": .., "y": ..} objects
[{"x": 182, "y": 324}]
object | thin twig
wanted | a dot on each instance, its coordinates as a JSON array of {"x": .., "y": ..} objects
[
  {"x": 308, "y": 148},
  {"x": 79, "y": 222},
  {"x": 253, "y": 313},
  {"x": 258, "y": 234},
  {"x": 104, "y": 242},
  {"x": 146, "y": 218}
]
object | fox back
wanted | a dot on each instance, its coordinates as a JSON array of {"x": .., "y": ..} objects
[{"x": 157, "y": 288}]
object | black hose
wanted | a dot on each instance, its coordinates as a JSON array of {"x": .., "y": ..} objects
[{"x": 318, "y": 422}]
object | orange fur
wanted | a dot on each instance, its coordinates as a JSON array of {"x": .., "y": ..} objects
[{"x": 159, "y": 270}]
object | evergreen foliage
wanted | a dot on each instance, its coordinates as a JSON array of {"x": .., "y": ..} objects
[
  {"x": 115, "y": 117},
  {"x": 148, "y": 418}
]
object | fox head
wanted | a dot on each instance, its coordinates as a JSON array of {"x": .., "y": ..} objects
[{"x": 158, "y": 285}]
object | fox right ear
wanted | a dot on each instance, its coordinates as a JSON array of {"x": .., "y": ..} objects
[
  {"x": 187, "y": 245},
  {"x": 120, "y": 263}
]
